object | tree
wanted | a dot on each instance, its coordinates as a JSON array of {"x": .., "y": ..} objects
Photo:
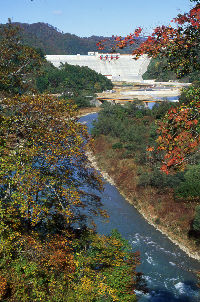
[
  {"x": 190, "y": 186},
  {"x": 48, "y": 200},
  {"x": 196, "y": 222},
  {"x": 69, "y": 267},
  {"x": 44, "y": 170},
  {"x": 179, "y": 45},
  {"x": 179, "y": 130},
  {"x": 17, "y": 61},
  {"x": 179, "y": 135}
]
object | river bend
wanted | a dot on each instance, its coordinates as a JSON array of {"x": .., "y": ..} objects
[{"x": 168, "y": 271}]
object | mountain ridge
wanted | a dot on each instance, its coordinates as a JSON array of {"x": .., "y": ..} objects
[{"x": 52, "y": 41}]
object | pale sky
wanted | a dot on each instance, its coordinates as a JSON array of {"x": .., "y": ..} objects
[{"x": 91, "y": 17}]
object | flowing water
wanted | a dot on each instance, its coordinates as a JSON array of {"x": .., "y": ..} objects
[
  {"x": 168, "y": 98},
  {"x": 168, "y": 271}
]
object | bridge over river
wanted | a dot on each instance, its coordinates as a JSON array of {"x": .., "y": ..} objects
[
  {"x": 149, "y": 93},
  {"x": 124, "y": 101}
]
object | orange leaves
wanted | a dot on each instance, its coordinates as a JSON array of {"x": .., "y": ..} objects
[
  {"x": 179, "y": 135},
  {"x": 150, "y": 149},
  {"x": 59, "y": 256},
  {"x": 164, "y": 168},
  {"x": 118, "y": 38},
  {"x": 193, "y": 17},
  {"x": 3, "y": 286},
  {"x": 138, "y": 32},
  {"x": 178, "y": 45},
  {"x": 120, "y": 42}
]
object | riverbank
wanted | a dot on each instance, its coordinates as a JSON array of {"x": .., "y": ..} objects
[
  {"x": 122, "y": 173},
  {"x": 88, "y": 110}
]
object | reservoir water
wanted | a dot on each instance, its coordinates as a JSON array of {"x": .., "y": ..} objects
[{"x": 168, "y": 271}]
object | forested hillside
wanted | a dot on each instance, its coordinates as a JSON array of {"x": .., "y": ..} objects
[
  {"x": 73, "y": 82},
  {"x": 53, "y": 42},
  {"x": 159, "y": 71}
]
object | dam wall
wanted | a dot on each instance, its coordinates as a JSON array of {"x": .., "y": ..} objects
[{"x": 116, "y": 67}]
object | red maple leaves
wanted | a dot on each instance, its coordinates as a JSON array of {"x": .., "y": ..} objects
[
  {"x": 179, "y": 135},
  {"x": 120, "y": 42}
]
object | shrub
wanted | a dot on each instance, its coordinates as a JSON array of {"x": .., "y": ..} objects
[
  {"x": 157, "y": 221},
  {"x": 159, "y": 110},
  {"x": 144, "y": 179},
  {"x": 190, "y": 186},
  {"x": 82, "y": 102},
  {"x": 117, "y": 145},
  {"x": 191, "y": 93},
  {"x": 196, "y": 222}
]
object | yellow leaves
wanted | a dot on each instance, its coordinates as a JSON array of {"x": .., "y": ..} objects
[
  {"x": 94, "y": 286},
  {"x": 86, "y": 284},
  {"x": 159, "y": 139},
  {"x": 49, "y": 147},
  {"x": 3, "y": 286}
]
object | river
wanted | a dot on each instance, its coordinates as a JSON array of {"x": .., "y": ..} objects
[{"x": 168, "y": 271}]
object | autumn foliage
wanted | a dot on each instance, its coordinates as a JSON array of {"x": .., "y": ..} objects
[
  {"x": 49, "y": 196},
  {"x": 179, "y": 135},
  {"x": 44, "y": 162},
  {"x": 179, "y": 44},
  {"x": 17, "y": 61}
]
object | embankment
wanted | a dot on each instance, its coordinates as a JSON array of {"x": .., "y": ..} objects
[{"x": 158, "y": 208}]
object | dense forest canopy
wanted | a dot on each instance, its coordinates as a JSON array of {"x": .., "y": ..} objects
[
  {"x": 70, "y": 78},
  {"x": 25, "y": 70},
  {"x": 73, "y": 82}
]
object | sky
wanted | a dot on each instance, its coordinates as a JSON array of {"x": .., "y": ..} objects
[{"x": 85, "y": 18}]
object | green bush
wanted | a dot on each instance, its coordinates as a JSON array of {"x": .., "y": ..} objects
[
  {"x": 196, "y": 221},
  {"x": 139, "y": 114},
  {"x": 117, "y": 145},
  {"x": 190, "y": 186},
  {"x": 82, "y": 102},
  {"x": 159, "y": 180},
  {"x": 71, "y": 79},
  {"x": 144, "y": 179},
  {"x": 159, "y": 110},
  {"x": 190, "y": 93},
  {"x": 158, "y": 70}
]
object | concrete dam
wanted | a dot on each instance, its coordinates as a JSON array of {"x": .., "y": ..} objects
[{"x": 116, "y": 67}]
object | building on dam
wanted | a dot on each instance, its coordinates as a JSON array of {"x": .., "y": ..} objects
[{"x": 116, "y": 66}]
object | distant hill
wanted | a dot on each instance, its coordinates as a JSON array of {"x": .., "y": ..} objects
[{"x": 52, "y": 41}]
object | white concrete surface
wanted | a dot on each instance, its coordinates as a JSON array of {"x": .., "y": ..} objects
[{"x": 116, "y": 67}]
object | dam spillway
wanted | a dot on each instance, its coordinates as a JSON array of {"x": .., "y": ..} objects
[{"x": 116, "y": 67}]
